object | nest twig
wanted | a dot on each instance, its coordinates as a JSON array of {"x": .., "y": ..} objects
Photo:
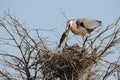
[{"x": 69, "y": 64}]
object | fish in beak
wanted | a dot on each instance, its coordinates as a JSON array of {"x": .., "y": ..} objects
[{"x": 64, "y": 36}]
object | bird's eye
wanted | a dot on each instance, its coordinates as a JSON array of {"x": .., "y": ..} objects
[{"x": 68, "y": 25}]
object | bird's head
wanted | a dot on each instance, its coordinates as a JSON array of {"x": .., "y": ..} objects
[{"x": 71, "y": 24}]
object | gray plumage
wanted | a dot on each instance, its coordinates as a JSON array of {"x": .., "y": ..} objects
[
  {"x": 88, "y": 23},
  {"x": 83, "y": 26}
]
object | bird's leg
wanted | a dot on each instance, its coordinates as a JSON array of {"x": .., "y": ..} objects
[
  {"x": 85, "y": 39},
  {"x": 83, "y": 46}
]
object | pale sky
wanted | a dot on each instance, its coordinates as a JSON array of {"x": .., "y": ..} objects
[{"x": 46, "y": 14}]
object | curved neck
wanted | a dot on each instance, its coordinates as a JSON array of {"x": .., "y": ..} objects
[{"x": 74, "y": 28}]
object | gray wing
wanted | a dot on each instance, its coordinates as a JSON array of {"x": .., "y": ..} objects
[{"x": 88, "y": 23}]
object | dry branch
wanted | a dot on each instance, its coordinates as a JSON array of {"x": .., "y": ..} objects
[{"x": 37, "y": 62}]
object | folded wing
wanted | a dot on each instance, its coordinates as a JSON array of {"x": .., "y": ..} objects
[{"x": 88, "y": 23}]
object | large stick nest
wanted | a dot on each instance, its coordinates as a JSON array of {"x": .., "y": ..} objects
[
  {"x": 75, "y": 62},
  {"x": 69, "y": 64}
]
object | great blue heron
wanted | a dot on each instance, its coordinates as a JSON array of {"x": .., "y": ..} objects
[{"x": 83, "y": 26}]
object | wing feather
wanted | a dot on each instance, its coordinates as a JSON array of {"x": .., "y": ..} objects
[{"x": 88, "y": 23}]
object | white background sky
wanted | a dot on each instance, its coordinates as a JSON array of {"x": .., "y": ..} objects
[{"x": 46, "y": 14}]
